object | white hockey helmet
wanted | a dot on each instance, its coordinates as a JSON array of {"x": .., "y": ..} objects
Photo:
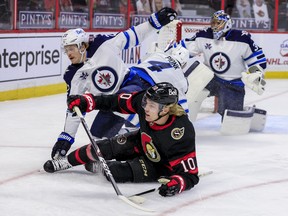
[
  {"x": 220, "y": 24},
  {"x": 180, "y": 54},
  {"x": 75, "y": 36}
]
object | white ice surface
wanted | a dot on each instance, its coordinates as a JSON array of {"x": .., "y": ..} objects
[{"x": 250, "y": 171}]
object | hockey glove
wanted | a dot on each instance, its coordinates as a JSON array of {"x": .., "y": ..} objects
[
  {"x": 62, "y": 145},
  {"x": 162, "y": 17},
  {"x": 254, "y": 81},
  {"x": 86, "y": 102},
  {"x": 171, "y": 185}
]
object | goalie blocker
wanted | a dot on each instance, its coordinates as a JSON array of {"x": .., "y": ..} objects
[{"x": 241, "y": 122}]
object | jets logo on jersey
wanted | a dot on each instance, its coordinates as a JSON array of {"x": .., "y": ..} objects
[
  {"x": 105, "y": 79},
  {"x": 177, "y": 133},
  {"x": 84, "y": 75},
  {"x": 149, "y": 148},
  {"x": 208, "y": 46},
  {"x": 219, "y": 62}
]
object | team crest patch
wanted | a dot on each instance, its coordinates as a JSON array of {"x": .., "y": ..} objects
[
  {"x": 220, "y": 62},
  {"x": 177, "y": 133},
  {"x": 151, "y": 152},
  {"x": 105, "y": 79},
  {"x": 121, "y": 139},
  {"x": 149, "y": 148}
]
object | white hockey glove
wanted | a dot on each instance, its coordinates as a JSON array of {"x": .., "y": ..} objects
[
  {"x": 254, "y": 81},
  {"x": 180, "y": 54}
]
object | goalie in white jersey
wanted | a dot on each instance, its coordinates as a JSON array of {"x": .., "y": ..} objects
[
  {"x": 233, "y": 57},
  {"x": 96, "y": 67}
]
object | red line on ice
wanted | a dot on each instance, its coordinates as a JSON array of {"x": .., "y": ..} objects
[{"x": 191, "y": 202}]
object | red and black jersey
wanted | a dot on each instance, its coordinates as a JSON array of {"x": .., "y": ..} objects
[{"x": 171, "y": 147}]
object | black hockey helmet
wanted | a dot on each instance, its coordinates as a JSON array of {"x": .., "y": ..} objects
[{"x": 163, "y": 93}]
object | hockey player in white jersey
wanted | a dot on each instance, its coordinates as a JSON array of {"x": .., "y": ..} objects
[
  {"x": 159, "y": 67},
  {"x": 96, "y": 67},
  {"x": 234, "y": 58}
]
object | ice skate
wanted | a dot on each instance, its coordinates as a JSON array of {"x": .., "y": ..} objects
[{"x": 58, "y": 164}]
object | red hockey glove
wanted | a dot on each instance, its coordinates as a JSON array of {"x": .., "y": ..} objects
[
  {"x": 86, "y": 102},
  {"x": 171, "y": 185}
]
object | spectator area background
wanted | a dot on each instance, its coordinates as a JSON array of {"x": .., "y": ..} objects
[{"x": 54, "y": 15}]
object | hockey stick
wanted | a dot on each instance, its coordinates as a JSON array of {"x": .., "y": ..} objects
[
  {"x": 138, "y": 199},
  {"x": 105, "y": 166},
  {"x": 169, "y": 45}
]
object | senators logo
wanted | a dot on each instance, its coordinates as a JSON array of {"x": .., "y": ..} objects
[
  {"x": 149, "y": 148},
  {"x": 177, "y": 133}
]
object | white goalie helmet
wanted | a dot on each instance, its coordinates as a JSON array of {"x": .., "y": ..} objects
[
  {"x": 220, "y": 24},
  {"x": 75, "y": 36},
  {"x": 180, "y": 54}
]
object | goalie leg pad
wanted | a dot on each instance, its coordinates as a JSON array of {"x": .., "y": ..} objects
[
  {"x": 198, "y": 76},
  {"x": 259, "y": 120},
  {"x": 237, "y": 122},
  {"x": 195, "y": 104}
]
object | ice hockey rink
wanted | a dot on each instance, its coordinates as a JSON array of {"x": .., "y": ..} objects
[{"x": 250, "y": 172}]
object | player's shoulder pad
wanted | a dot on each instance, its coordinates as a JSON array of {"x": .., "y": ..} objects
[
  {"x": 239, "y": 36},
  {"x": 94, "y": 44},
  {"x": 204, "y": 33},
  {"x": 72, "y": 69}
]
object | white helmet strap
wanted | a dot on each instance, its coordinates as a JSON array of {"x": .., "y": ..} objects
[{"x": 82, "y": 52}]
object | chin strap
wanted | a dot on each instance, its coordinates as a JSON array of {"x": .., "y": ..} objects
[
  {"x": 82, "y": 55},
  {"x": 159, "y": 117}
]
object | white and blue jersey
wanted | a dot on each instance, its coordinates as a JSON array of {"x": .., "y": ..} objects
[
  {"x": 229, "y": 56},
  {"x": 104, "y": 70},
  {"x": 160, "y": 67}
]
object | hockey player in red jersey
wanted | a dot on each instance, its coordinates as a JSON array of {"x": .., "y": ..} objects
[
  {"x": 163, "y": 147},
  {"x": 96, "y": 67}
]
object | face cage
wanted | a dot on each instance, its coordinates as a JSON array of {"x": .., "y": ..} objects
[{"x": 218, "y": 28}]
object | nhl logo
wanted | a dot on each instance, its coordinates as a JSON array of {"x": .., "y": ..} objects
[
  {"x": 177, "y": 133},
  {"x": 284, "y": 48}
]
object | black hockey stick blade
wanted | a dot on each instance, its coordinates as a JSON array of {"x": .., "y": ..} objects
[{"x": 136, "y": 198}]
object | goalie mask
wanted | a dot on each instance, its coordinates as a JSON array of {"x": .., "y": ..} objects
[
  {"x": 220, "y": 24},
  {"x": 75, "y": 37}
]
